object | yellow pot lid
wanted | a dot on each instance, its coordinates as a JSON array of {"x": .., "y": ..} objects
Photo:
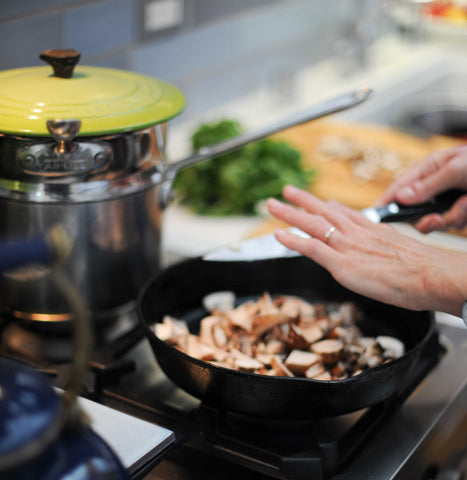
[{"x": 105, "y": 100}]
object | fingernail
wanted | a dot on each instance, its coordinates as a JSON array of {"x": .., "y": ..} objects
[
  {"x": 407, "y": 193},
  {"x": 273, "y": 203},
  {"x": 291, "y": 189},
  {"x": 280, "y": 234}
]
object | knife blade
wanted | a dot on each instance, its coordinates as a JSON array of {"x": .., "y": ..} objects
[
  {"x": 256, "y": 248},
  {"x": 266, "y": 246}
]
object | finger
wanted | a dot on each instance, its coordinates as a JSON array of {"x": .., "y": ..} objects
[
  {"x": 431, "y": 223},
  {"x": 456, "y": 216},
  {"x": 410, "y": 187},
  {"x": 333, "y": 261},
  {"x": 403, "y": 180},
  {"x": 314, "y": 205},
  {"x": 426, "y": 188},
  {"x": 315, "y": 225},
  {"x": 354, "y": 215},
  {"x": 304, "y": 199},
  {"x": 310, "y": 247}
]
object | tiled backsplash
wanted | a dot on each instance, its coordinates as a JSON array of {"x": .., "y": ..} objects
[{"x": 222, "y": 49}]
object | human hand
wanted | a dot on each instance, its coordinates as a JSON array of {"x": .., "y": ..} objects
[
  {"x": 439, "y": 171},
  {"x": 372, "y": 259}
]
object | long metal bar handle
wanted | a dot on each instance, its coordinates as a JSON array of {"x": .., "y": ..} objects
[{"x": 319, "y": 110}]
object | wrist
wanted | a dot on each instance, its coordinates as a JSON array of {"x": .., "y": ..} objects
[
  {"x": 455, "y": 266},
  {"x": 445, "y": 281}
]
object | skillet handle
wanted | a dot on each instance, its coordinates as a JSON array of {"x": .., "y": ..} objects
[{"x": 319, "y": 110}]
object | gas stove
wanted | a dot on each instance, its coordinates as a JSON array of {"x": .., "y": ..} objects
[{"x": 416, "y": 435}]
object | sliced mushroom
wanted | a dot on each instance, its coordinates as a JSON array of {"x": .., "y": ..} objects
[
  {"x": 312, "y": 334},
  {"x": 264, "y": 358},
  {"x": 274, "y": 347},
  {"x": 163, "y": 330},
  {"x": 338, "y": 371},
  {"x": 296, "y": 339},
  {"x": 330, "y": 350},
  {"x": 323, "y": 323},
  {"x": 285, "y": 336},
  {"x": 248, "y": 364},
  {"x": 373, "y": 361},
  {"x": 348, "y": 313},
  {"x": 170, "y": 328},
  {"x": 242, "y": 316},
  {"x": 315, "y": 370},
  {"x": 393, "y": 347},
  {"x": 326, "y": 376},
  {"x": 299, "y": 361},
  {"x": 266, "y": 306},
  {"x": 264, "y": 322},
  {"x": 206, "y": 329},
  {"x": 219, "y": 301},
  {"x": 353, "y": 353},
  {"x": 290, "y": 306},
  {"x": 279, "y": 367},
  {"x": 199, "y": 350},
  {"x": 219, "y": 336},
  {"x": 245, "y": 344}
]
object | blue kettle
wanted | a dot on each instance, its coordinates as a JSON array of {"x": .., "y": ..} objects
[{"x": 44, "y": 435}]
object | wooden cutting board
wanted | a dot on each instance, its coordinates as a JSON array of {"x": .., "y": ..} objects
[{"x": 335, "y": 178}]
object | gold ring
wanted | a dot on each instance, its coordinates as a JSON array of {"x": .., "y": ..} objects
[{"x": 328, "y": 234}]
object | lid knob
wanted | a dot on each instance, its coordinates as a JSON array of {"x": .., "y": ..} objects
[{"x": 63, "y": 61}]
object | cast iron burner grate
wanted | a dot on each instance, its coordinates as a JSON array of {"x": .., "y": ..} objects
[
  {"x": 51, "y": 354},
  {"x": 283, "y": 449}
]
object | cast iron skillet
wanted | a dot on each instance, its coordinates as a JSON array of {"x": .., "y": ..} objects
[{"x": 179, "y": 289}]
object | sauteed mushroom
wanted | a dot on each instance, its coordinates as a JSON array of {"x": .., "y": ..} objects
[{"x": 282, "y": 336}]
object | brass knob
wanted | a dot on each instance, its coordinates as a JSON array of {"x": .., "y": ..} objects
[{"x": 62, "y": 61}]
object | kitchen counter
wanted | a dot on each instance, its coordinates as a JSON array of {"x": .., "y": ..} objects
[{"x": 397, "y": 71}]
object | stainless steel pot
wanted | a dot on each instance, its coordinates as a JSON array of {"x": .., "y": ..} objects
[
  {"x": 110, "y": 212},
  {"x": 108, "y": 191}
]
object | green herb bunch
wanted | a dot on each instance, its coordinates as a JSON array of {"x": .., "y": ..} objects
[{"x": 234, "y": 183}]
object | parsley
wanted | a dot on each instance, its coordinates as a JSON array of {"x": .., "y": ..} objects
[{"x": 234, "y": 183}]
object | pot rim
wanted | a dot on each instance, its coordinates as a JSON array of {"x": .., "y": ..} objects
[{"x": 80, "y": 192}]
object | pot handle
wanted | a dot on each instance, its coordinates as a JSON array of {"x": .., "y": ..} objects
[{"x": 319, "y": 110}]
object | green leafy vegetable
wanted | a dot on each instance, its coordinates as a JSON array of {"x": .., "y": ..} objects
[{"x": 233, "y": 184}]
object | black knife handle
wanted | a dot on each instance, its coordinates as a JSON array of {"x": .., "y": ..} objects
[{"x": 396, "y": 212}]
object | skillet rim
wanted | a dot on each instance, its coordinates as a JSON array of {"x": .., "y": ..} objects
[{"x": 431, "y": 324}]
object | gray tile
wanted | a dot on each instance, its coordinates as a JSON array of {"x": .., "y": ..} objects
[
  {"x": 118, "y": 60},
  {"x": 23, "y": 40},
  {"x": 99, "y": 28},
  {"x": 217, "y": 45},
  {"x": 211, "y": 10},
  {"x": 10, "y": 9},
  {"x": 274, "y": 72}
]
